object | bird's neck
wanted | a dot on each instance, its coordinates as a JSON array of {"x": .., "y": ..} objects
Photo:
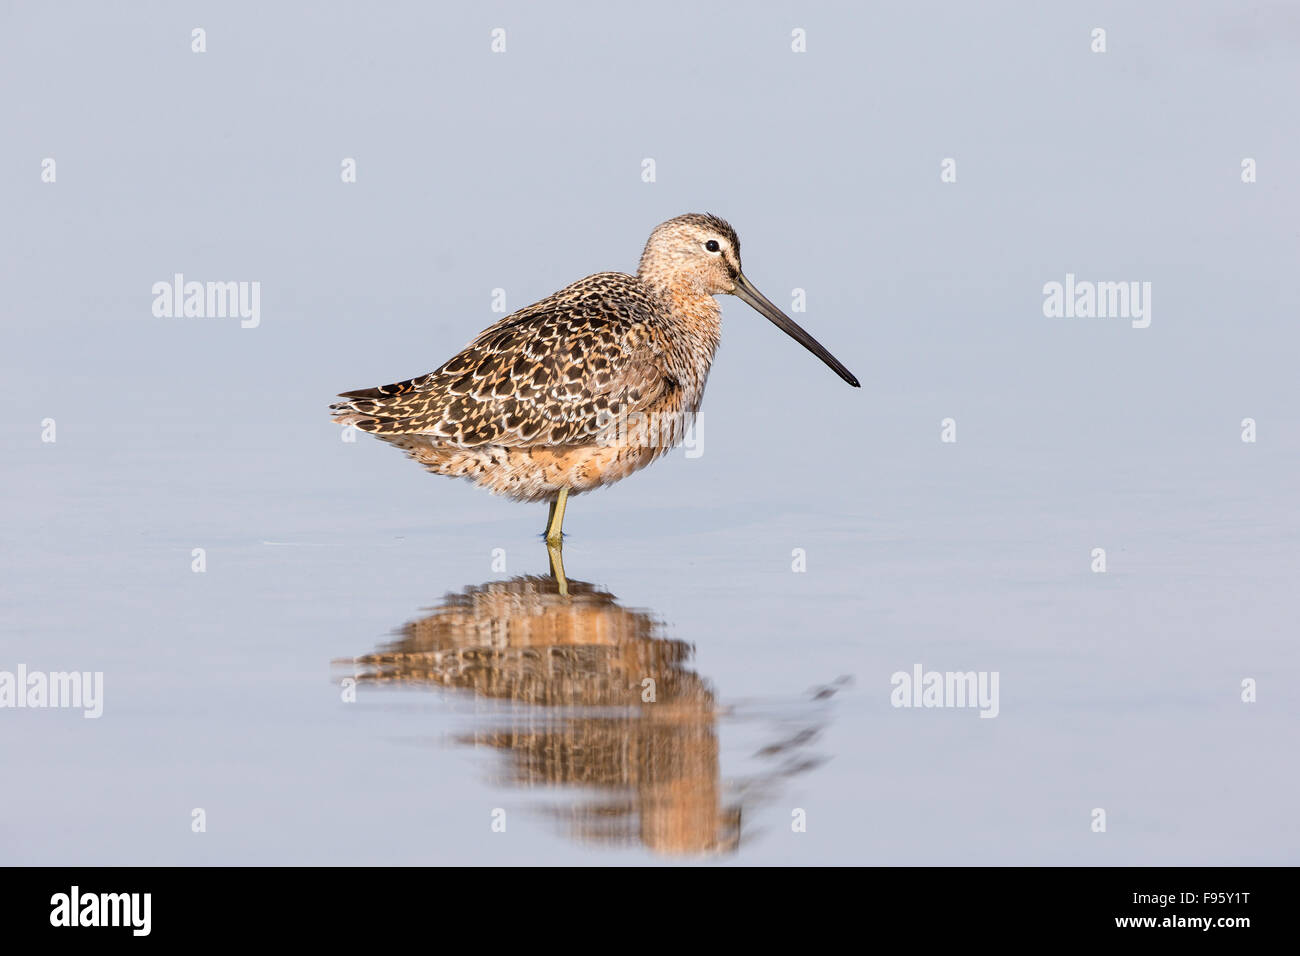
[{"x": 693, "y": 320}]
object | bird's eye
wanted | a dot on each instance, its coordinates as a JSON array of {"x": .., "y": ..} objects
[{"x": 712, "y": 246}]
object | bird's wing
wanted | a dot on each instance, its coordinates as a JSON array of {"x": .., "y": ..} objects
[{"x": 550, "y": 374}]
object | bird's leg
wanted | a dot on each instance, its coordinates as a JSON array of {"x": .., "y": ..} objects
[
  {"x": 555, "y": 541},
  {"x": 555, "y": 522},
  {"x": 557, "y": 569}
]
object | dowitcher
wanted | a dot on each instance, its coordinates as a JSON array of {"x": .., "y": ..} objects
[{"x": 538, "y": 406}]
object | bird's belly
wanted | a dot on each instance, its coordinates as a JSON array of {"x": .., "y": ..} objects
[
  {"x": 627, "y": 443},
  {"x": 535, "y": 473}
]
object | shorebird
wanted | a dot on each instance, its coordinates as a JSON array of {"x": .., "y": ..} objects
[{"x": 586, "y": 386}]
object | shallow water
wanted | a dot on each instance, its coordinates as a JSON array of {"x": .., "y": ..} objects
[{"x": 481, "y": 692}]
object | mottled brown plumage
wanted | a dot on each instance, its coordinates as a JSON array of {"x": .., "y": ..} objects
[{"x": 538, "y": 403}]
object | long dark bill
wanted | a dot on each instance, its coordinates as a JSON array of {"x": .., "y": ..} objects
[{"x": 746, "y": 292}]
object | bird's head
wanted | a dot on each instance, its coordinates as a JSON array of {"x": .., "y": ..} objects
[{"x": 697, "y": 255}]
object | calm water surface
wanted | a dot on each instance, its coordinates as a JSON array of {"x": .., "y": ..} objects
[{"x": 481, "y": 692}]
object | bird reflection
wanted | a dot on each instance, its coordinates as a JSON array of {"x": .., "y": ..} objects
[{"x": 607, "y": 706}]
